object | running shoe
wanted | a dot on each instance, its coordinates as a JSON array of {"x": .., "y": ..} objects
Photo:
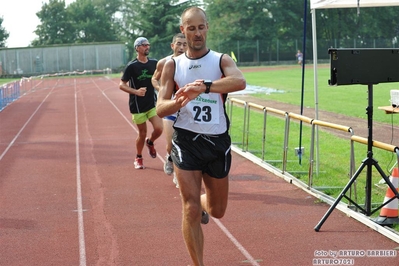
[
  {"x": 168, "y": 166},
  {"x": 175, "y": 180},
  {"x": 205, "y": 217},
  {"x": 138, "y": 163},
  {"x": 151, "y": 149}
]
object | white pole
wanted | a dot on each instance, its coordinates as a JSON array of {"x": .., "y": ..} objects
[{"x": 315, "y": 82}]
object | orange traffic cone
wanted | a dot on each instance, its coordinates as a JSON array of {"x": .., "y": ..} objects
[{"x": 389, "y": 212}]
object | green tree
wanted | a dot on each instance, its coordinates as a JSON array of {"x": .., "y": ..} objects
[
  {"x": 263, "y": 26},
  {"x": 234, "y": 19},
  {"x": 156, "y": 20},
  {"x": 3, "y": 34},
  {"x": 82, "y": 21},
  {"x": 110, "y": 7},
  {"x": 255, "y": 24},
  {"x": 289, "y": 28},
  {"x": 91, "y": 22},
  {"x": 55, "y": 27},
  {"x": 344, "y": 27}
]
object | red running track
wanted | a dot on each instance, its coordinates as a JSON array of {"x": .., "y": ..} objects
[{"x": 69, "y": 195}]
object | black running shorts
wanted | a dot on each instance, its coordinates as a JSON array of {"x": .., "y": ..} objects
[{"x": 210, "y": 154}]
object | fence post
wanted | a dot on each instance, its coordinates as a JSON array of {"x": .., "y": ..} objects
[
  {"x": 278, "y": 51},
  {"x": 285, "y": 145},
  {"x": 238, "y": 51},
  {"x": 231, "y": 100}
]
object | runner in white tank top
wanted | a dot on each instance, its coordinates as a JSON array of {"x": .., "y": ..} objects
[{"x": 201, "y": 144}]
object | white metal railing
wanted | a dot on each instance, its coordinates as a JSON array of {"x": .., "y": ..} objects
[{"x": 287, "y": 117}]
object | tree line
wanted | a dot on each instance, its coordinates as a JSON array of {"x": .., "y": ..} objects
[{"x": 88, "y": 21}]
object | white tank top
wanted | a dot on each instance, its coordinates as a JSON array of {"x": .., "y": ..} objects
[
  {"x": 167, "y": 59},
  {"x": 205, "y": 114}
]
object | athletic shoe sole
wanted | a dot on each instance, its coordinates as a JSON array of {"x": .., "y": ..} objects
[{"x": 205, "y": 217}]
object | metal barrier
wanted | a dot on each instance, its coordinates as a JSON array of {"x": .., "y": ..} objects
[
  {"x": 287, "y": 117},
  {"x": 280, "y": 113},
  {"x": 8, "y": 93},
  {"x": 244, "y": 104},
  {"x": 377, "y": 144},
  {"x": 314, "y": 123}
]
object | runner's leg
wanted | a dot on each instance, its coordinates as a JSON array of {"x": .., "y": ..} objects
[{"x": 190, "y": 190}]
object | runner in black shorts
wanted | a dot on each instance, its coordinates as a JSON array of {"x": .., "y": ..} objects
[
  {"x": 201, "y": 144},
  {"x": 208, "y": 153}
]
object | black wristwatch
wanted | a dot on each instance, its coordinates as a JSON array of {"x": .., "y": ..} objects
[{"x": 208, "y": 84}]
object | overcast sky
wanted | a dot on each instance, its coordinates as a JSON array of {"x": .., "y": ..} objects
[{"x": 20, "y": 20}]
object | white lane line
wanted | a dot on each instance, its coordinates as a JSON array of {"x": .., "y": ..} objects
[
  {"x": 27, "y": 122},
  {"x": 82, "y": 247},
  {"x": 236, "y": 243},
  {"x": 23, "y": 127},
  {"x": 221, "y": 226}
]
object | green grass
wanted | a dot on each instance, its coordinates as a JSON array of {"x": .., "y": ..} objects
[
  {"x": 350, "y": 100},
  {"x": 334, "y": 161},
  {"x": 4, "y": 81}
]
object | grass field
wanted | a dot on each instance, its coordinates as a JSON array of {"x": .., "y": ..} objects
[
  {"x": 334, "y": 161},
  {"x": 350, "y": 100},
  {"x": 4, "y": 81}
]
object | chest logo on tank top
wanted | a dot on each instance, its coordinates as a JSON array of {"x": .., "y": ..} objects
[{"x": 194, "y": 67}]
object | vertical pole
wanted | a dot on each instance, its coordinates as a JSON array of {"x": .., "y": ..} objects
[
  {"x": 31, "y": 61},
  {"x": 303, "y": 77},
  {"x": 43, "y": 67},
  {"x": 97, "y": 58},
  {"x": 238, "y": 50},
  {"x": 58, "y": 61},
  {"x": 369, "y": 149},
  {"x": 70, "y": 58},
  {"x": 84, "y": 59},
  {"x": 17, "y": 59},
  {"x": 278, "y": 51},
  {"x": 315, "y": 84},
  {"x": 110, "y": 58}
]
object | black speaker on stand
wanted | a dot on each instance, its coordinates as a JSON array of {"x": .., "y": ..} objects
[{"x": 367, "y": 67}]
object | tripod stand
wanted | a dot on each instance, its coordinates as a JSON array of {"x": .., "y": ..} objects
[{"x": 368, "y": 163}]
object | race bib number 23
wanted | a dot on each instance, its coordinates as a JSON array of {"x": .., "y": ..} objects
[{"x": 205, "y": 109}]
